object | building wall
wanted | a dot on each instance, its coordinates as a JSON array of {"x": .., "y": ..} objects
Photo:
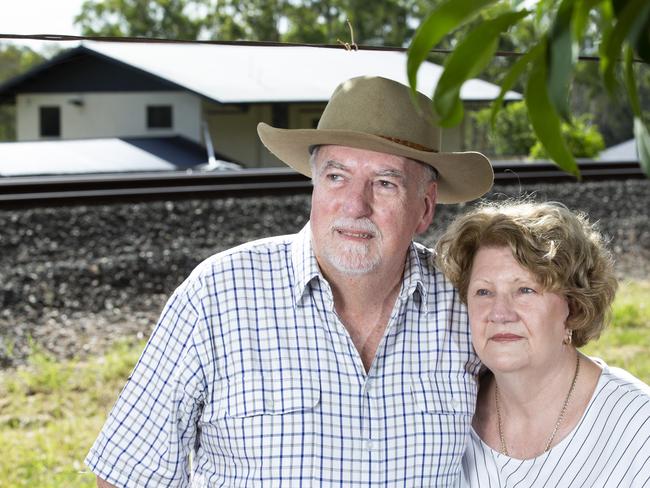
[
  {"x": 88, "y": 115},
  {"x": 233, "y": 129},
  {"x": 305, "y": 115},
  {"x": 452, "y": 139}
]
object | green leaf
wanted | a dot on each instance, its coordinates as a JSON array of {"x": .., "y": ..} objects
[
  {"x": 454, "y": 114},
  {"x": 630, "y": 21},
  {"x": 630, "y": 82},
  {"x": 562, "y": 54},
  {"x": 512, "y": 76},
  {"x": 545, "y": 120},
  {"x": 581, "y": 11},
  {"x": 642, "y": 136},
  {"x": 640, "y": 36},
  {"x": 445, "y": 18},
  {"x": 469, "y": 58}
]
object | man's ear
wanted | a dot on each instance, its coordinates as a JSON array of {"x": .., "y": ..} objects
[{"x": 430, "y": 197}]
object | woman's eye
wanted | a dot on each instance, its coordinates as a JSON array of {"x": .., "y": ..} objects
[
  {"x": 481, "y": 292},
  {"x": 526, "y": 290}
]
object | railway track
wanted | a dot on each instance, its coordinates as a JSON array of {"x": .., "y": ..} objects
[{"x": 135, "y": 187}]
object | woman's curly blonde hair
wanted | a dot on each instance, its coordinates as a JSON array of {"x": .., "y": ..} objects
[{"x": 562, "y": 249}]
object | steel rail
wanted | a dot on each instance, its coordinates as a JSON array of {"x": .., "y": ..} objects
[{"x": 135, "y": 187}]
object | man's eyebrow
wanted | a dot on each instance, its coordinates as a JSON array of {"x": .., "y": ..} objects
[
  {"x": 392, "y": 173},
  {"x": 332, "y": 164}
]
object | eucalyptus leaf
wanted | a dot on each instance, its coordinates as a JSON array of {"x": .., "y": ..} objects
[
  {"x": 562, "y": 55},
  {"x": 642, "y": 41},
  {"x": 442, "y": 20},
  {"x": 630, "y": 82},
  {"x": 580, "y": 20},
  {"x": 470, "y": 57},
  {"x": 545, "y": 120},
  {"x": 642, "y": 136},
  {"x": 629, "y": 22},
  {"x": 513, "y": 74}
]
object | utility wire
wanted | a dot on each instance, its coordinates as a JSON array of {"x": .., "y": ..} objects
[{"x": 361, "y": 47}]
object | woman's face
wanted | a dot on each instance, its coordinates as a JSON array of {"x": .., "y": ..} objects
[{"x": 515, "y": 323}]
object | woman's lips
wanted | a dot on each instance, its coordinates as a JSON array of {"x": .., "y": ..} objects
[{"x": 505, "y": 337}]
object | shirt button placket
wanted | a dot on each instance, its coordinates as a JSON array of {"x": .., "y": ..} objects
[{"x": 373, "y": 432}]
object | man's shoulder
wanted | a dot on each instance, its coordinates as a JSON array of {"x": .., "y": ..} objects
[
  {"x": 271, "y": 247},
  {"x": 258, "y": 255},
  {"x": 431, "y": 275}
]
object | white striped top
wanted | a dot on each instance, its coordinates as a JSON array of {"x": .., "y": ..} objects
[{"x": 610, "y": 446}]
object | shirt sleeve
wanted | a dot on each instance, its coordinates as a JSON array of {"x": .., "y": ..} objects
[{"x": 149, "y": 433}]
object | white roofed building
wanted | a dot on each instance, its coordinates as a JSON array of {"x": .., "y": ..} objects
[{"x": 189, "y": 90}]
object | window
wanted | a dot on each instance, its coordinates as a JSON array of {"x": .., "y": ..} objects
[
  {"x": 50, "y": 120},
  {"x": 159, "y": 117},
  {"x": 280, "y": 115}
]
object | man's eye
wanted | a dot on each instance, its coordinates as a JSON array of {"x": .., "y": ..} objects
[
  {"x": 334, "y": 177},
  {"x": 386, "y": 184}
]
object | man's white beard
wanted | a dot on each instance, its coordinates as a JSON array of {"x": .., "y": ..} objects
[{"x": 355, "y": 258}]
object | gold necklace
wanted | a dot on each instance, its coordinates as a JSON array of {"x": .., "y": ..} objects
[{"x": 504, "y": 449}]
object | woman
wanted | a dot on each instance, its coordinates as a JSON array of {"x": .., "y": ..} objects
[{"x": 538, "y": 284}]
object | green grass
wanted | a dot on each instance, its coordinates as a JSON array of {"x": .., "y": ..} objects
[
  {"x": 626, "y": 342},
  {"x": 51, "y": 411}
]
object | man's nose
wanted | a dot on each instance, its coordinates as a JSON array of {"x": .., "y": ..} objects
[
  {"x": 358, "y": 200},
  {"x": 501, "y": 310}
]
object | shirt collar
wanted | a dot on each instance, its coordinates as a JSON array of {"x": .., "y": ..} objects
[
  {"x": 306, "y": 268},
  {"x": 413, "y": 274}
]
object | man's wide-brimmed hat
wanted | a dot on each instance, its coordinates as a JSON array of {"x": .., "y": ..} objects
[{"x": 378, "y": 114}]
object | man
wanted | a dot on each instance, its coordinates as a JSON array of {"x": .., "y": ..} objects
[{"x": 334, "y": 357}]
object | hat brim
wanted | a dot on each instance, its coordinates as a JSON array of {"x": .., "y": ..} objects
[{"x": 462, "y": 176}]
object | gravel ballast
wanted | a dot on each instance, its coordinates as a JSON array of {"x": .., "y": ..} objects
[{"x": 75, "y": 279}]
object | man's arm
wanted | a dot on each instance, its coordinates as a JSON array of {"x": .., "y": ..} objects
[{"x": 104, "y": 484}]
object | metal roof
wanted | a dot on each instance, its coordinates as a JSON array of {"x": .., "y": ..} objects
[
  {"x": 625, "y": 151},
  {"x": 256, "y": 74},
  {"x": 104, "y": 155}
]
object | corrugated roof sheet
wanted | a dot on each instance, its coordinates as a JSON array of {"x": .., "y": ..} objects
[{"x": 255, "y": 74}]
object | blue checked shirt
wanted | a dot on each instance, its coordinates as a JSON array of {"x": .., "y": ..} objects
[{"x": 250, "y": 379}]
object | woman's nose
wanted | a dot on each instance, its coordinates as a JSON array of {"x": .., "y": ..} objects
[{"x": 501, "y": 310}]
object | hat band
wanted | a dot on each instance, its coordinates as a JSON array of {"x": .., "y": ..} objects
[{"x": 412, "y": 145}]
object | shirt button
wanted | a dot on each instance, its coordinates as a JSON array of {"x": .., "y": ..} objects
[
  {"x": 454, "y": 404},
  {"x": 269, "y": 403},
  {"x": 369, "y": 445}
]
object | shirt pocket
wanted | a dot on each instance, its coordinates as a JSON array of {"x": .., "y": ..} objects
[
  {"x": 445, "y": 405},
  {"x": 269, "y": 422},
  {"x": 445, "y": 395},
  {"x": 253, "y": 395}
]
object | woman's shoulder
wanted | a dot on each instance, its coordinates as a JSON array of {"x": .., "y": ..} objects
[
  {"x": 622, "y": 399},
  {"x": 619, "y": 379}
]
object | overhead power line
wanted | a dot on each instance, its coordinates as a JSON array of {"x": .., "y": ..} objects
[{"x": 360, "y": 47}]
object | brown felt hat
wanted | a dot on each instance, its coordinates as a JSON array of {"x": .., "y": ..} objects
[{"x": 378, "y": 114}]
